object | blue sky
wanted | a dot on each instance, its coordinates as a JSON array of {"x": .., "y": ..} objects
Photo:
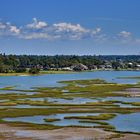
[{"x": 79, "y": 27}]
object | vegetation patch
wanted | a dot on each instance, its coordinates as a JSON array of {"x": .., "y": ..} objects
[
  {"x": 99, "y": 117},
  {"x": 51, "y": 119}
]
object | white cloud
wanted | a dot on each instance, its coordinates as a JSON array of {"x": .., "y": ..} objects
[
  {"x": 124, "y": 34},
  {"x": 62, "y": 31},
  {"x": 14, "y": 29},
  {"x": 41, "y": 30},
  {"x": 96, "y": 31},
  {"x": 36, "y": 24},
  {"x": 6, "y": 29},
  {"x": 68, "y": 27}
]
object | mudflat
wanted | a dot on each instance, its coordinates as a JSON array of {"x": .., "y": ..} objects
[{"x": 69, "y": 133}]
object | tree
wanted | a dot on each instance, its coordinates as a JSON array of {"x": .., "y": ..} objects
[
  {"x": 34, "y": 70},
  {"x": 20, "y": 70},
  {"x": 4, "y": 68}
]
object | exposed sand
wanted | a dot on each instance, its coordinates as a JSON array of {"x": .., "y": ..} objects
[
  {"x": 129, "y": 137},
  {"x": 69, "y": 133}
]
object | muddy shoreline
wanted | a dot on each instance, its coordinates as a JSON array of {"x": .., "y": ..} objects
[{"x": 69, "y": 133}]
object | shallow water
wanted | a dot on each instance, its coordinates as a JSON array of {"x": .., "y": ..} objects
[
  {"x": 16, "y": 92},
  {"x": 63, "y": 122},
  {"x": 126, "y": 122},
  {"x": 72, "y": 101},
  {"x": 122, "y": 122},
  {"x": 76, "y": 100},
  {"x": 26, "y": 82},
  {"x": 126, "y": 105},
  {"x": 3, "y": 100},
  {"x": 29, "y": 106},
  {"x": 123, "y": 99}
]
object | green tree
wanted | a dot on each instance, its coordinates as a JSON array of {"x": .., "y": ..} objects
[{"x": 34, "y": 70}]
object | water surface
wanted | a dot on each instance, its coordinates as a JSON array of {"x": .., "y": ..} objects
[
  {"x": 39, "y": 119},
  {"x": 26, "y": 82},
  {"x": 126, "y": 122}
]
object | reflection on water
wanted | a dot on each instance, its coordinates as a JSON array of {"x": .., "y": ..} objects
[{"x": 26, "y": 82}]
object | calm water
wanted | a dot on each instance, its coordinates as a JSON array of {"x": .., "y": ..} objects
[
  {"x": 123, "y": 99},
  {"x": 80, "y": 100},
  {"x": 126, "y": 122},
  {"x": 122, "y": 122},
  {"x": 63, "y": 122},
  {"x": 64, "y": 101},
  {"x": 26, "y": 82},
  {"x": 30, "y": 106}
]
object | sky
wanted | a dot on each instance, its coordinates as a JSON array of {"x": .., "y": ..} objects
[{"x": 80, "y": 27}]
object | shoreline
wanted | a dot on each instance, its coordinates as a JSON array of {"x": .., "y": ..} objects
[
  {"x": 66, "y": 133},
  {"x": 57, "y": 72}
]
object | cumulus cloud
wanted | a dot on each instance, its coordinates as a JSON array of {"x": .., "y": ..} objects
[
  {"x": 70, "y": 31},
  {"x": 68, "y": 27},
  {"x": 6, "y": 29},
  {"x": 124, "y": 34},
  {"x": 14, "y": 29},
  {"x": 36, "y": 24},
  {"x": 41, "y": 30},
  {"x": 96, "y": 31},
  {"x": 61, "y": 31},
  {"x": 64, "y": 31}
]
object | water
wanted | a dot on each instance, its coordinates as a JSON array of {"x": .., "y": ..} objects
[
  {"x": 126, "y": 122},
  {"x": 26, "y": 82},
  {"x": 39, "y": 119},
  {"x": 122, "y": 99},
  {"x": 30, "y": 106},
  {"x": 126, "y": 105},
  {"x": 3, "y": 101},
  {"x": 16, "y": 92},
  {"x": 64, "y": 101},
  {"x": 122, "y": 122},
  {"x": 73, "y": 101}
]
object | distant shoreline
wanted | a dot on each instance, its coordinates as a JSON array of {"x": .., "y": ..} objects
[
  {"x": 58, "y": 72},
  {"x": 41, "y": 73}
]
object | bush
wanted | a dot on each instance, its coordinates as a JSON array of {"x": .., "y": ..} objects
[
  {"x": 20, "y": 70},
  {"x": 34, "y": 70}
]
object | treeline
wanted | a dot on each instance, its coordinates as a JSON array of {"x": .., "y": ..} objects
[
  {"x": 58, "y": 61},
  {"x": 19, "y": 63}
]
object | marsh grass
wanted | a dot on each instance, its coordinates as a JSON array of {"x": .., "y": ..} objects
[
  {"x": 93, "y": 88},
  {"x": 51, "y": 119},
  {"x": 99, "y": 117}
]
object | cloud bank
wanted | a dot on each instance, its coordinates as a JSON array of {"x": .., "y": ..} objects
[
  {"x": 42, "y": 30},
  {"x": 60, "y": 31}
]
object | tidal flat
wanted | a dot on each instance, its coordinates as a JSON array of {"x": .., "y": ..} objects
[{"x": 87, "y": 103}]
